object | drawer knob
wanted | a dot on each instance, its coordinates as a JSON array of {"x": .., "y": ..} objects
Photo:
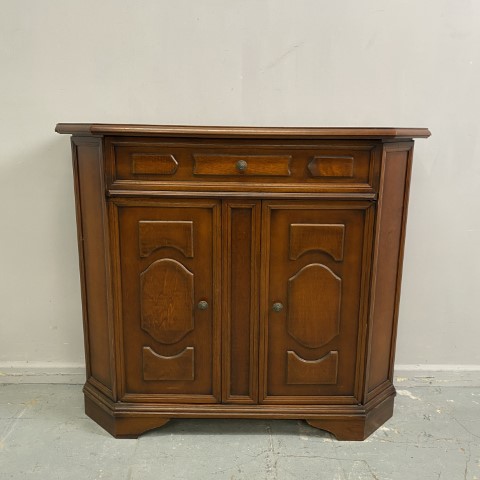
[
  {"x": 241, "y": 165},
  {"x": 277, "y": 307},
  {"x": 202, "y": 305}
]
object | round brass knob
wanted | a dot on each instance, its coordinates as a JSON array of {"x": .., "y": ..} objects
[
  {"x": 277, "y": 307},
  {"x": 202, "y": 305},
  {"x": 241, "y": 165}
]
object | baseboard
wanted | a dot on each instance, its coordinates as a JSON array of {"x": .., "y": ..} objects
[
  {"x": 42, "y": 372},
  {"x": 436, "y": 375},
  {"x": 405, "y": 375}
]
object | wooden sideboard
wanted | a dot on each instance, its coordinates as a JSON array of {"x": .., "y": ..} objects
[{"x": 236, "y": 272}]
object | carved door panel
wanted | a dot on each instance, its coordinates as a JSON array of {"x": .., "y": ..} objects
[
  {"x": 311, "y": 302},
  {"x": 169, "y": 283}
]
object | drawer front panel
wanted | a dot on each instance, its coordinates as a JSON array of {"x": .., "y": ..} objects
[{"x": 176, "y": 165}]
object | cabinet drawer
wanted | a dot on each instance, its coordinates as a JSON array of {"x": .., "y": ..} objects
[{"x": 187, "y": 165}]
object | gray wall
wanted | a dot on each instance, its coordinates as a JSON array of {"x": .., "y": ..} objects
[{"x": 311, "y": 63}]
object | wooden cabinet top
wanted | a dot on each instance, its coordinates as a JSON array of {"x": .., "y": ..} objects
[{"x": 385, "y": 133}]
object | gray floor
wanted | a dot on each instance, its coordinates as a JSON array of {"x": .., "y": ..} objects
[{"x": 44, "y": 434}]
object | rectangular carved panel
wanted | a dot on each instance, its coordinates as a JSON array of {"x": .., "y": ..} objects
[
  {"x": 316, "y": 237},
  {"x": 153, "y": 164},
  {"x": 158, "y": 234},
  {"x": 312, "y": 372},
  {"x": 177, "y": 368},
  {"x": 268, "y": 165},
  {"x": 331, "y": 166},
  {"x": 241, "y": 241}
]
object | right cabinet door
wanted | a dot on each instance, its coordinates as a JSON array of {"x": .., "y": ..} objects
[{"x": 314, "y": 266}]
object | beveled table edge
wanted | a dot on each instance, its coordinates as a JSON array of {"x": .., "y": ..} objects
[{"x": 242, "y": 132}]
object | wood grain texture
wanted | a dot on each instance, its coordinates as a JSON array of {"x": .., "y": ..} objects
[
  {"x": 164, "y": 313},
  {"x": 306, "y": 237},
  {"x": 314, "y": 318},
  {"x": 303, "y": 326},
  {"x": 93, "y": 244},
  {"x": 256, "y": 165},
  {"x": 389, "y": 238},
  {"x": 323, "y": 371},
  {"x": 241, "y": 132},
  {"x": 161, "y": 234},
  {"x": 152, "y": 164},
  {"x": 241, "y": 240},
  {"x": 178, "y": 367},
  {"x": 166, "y": 300},
  {"x": 215, "y": 163},
  {"x": 332, "y": 166},
  {"x": 181, "y": 271}
]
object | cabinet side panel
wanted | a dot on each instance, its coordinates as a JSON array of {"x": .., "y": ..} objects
[
  {"x": 87, "y": 158},
  {"x": 388, "y": 263}
]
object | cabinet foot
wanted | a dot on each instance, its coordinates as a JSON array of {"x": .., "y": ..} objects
[
  {"x": 122, "y": 426},
  {"x": 355, "y": 427}
]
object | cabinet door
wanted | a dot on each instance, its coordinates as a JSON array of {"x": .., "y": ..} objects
[
  {"x": 169, "y": 284},
  {"x": 312, "y": 302}
]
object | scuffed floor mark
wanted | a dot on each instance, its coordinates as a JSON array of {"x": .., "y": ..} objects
[
  {"x": 12, "y": 424},
  {"x": 407, "y": 393},
  {"x": 271, "y": 457},
  {"x": 465, "y": 428},
  {"x": 387, "y": 430},
  {"x": 402, "y": 379}
]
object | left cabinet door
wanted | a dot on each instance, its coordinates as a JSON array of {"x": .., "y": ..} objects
[{"x": 168, "y": 259}]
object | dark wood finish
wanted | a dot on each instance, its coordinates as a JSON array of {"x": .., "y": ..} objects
[
  {"x": 246, "y": 165},
  {"x": 389, "y": 242},
  {"x": 320, "y": 295},
  {"x": 241, "y": 244},
  {"x": 153, "y": 164},
  {"x": 332, "y": 166},
  {"x": 237, "y": 272},
  {"x": 161, "y": 295},
  {"x": 223, "y": 163},
  {"x": 356, "y": 427},
  {"x": 93, "y": 245},
  {"x": 241, "y": 132}
]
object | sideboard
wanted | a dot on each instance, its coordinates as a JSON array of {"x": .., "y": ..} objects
[{"x": 240, "y": 272}]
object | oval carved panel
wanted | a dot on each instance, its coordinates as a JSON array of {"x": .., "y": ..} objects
[
  {"x": 166, "y": 292},
  {"x": 314, "y": 298}
]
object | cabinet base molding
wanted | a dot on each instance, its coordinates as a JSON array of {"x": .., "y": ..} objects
[
  {"x": 356, "y": 427},
  {"x": 121, "y": 426},
  {"x": 345, "y": 422}
]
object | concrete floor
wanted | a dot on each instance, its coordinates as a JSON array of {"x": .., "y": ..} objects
[{"x": 44, "y": 434}]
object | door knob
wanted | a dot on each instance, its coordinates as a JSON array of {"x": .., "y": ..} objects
[
  {"x": 277, "y": 307},
  {"x": 202, "y": 305}
]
